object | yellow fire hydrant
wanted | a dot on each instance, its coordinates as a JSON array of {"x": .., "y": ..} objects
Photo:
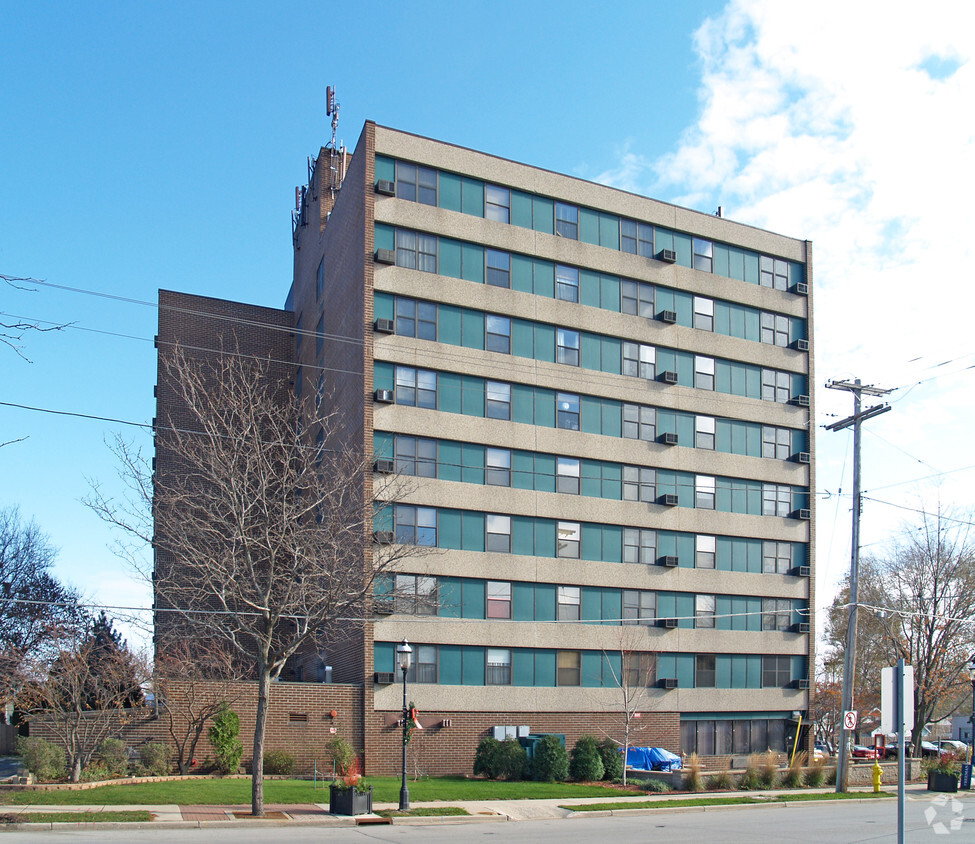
[{"x": 877, "y": 775}]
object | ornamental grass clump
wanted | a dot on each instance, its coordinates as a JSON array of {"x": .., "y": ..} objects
[
  {"x": 692, "y": 777},
  {"x": 816, "y": 774},
  {"x": 768, "y": 769},
  {"x": 749, "y": 781},
  {"x": 721, "y": 781},
  {"x": 793, "y": 776}
]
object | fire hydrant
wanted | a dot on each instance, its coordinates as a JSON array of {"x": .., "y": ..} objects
[{"x": 877, "y": 774}]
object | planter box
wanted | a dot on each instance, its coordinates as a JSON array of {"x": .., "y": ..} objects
[
  {"x": 942, "y": 782},
  {"x": 348, "y": 801}
]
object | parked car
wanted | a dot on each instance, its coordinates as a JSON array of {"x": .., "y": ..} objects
[
  {"x": 952, "y": 746},
  {"x": 929, "y": 748},
  {"x": 820, "y": 752},
  {"x": 861, "y": 751}
]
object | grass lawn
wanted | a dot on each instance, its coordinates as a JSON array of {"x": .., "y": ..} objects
[
  {"x": 232, "y": 791},
  {"x": 423, "y": 812},
  {"x": 76, "y": 817},
  {"x": 720, "y": 801}
]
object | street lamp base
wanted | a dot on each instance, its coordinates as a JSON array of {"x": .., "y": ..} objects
[{"x": 404, "y": 799}]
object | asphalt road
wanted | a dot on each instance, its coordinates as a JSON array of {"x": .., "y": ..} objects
[{"x": 807, "y": 824}]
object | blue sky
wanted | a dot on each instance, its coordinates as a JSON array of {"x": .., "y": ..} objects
[{"x": 149, "y": 146}]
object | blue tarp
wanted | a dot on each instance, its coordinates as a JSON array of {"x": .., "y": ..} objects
[{"x": 652, "y": 759}]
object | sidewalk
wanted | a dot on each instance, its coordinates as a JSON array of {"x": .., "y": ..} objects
[{"x": 479, "y": 811}]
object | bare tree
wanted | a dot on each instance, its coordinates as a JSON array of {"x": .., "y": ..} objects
[
  {"x": 634, "y": 673},
  {"x": 83, "y": 696},
  {"x": 191, "y": 683},
  {"x": 36, "y": 610},
  {"x": 12, "y": 330},
  {"x": 920, "y": 601},
  {"x": 263, "y": 537}
]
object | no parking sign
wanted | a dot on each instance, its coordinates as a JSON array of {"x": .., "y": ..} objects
[{"x": 850, "y": 719}]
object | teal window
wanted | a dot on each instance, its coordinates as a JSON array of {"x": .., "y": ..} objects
[
  {"x": 416, "y": 251},
  {"x": 704, "y": 671},
  {"x": 498, "y": 400},
  {"x": 498, "y": 268},
  {"x": 703, "y": 255},
  {"x": 776, "y": 672},
  {"x": 567, "y": 416},
  {"x": 416, "y": 456},
  {"x": 636, "y": 298},
  {"x": 704, "y": 612},
  {"x": 416, "y": 184},
  {"x": 639, "y": 484},
  {"x": 703, "y": 372},
  {"x": 416, "y": 319},
  {"x": 416, "y": 525},
  {"x": 497, "y": 203},
  {"x": 776, "y": 442},
  {"x": 568, "y": 671},
  {"x": 776, "y": 500},
  {"x": 569, "y": 539},
  {"x": 639, "y": 546},
  {"x": 566, "y": 283},
  {"x": 776, "y": 614},
  {"x": 639, "y": 422},
  {"x": 776, "y": 557},
  {"x": 704, "y": 551},
  {"x": 639, "y": 607},
  {"x": 775, "y": 329},
  {"x": 416, "y": 387},
  {"x": 567, "y": 221},
  {"x": 498, "y": 667}
]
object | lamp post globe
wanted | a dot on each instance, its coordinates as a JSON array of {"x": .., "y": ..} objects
[{"x": 404, "y": 654}]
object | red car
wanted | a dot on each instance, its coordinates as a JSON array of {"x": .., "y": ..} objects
[{"x": 862, "y": 752}]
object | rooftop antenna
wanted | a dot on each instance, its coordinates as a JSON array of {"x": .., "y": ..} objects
[
  {"x": 332, "y": 110},
  {"x": 337, "y": 156}
]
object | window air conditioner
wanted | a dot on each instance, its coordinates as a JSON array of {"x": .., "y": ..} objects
[
  {"x": 383, "y": 396},
  {"x": 383, "y": 678},
  {"x": 668, "y": 500},
  {"x": 800, "y": 288},
  {"x": 801, "y": 627},
  {"x": 668, "y": 377},
  {"x": 667, "y": 682},
  {"x": 384, "y": 537},
  {"x": 802, "y": 457},
  {"x": 384, "y": 326},
  {"x": 803, "y": 514},
  {"x": 670, "y": 561},
  {"x": 801, "y": 400},
  {"x": 667, "y": 316},
  {"x": 386, "y": 188},
  {"x": 803, "y": 684},
  {"x": 801, "y": 571},
  {"x": 383, "y": 467},
  {"x": 385, "y": 256},
  {"x": 800, "y": 345},
  {"x": 668, "y": 256},
  {"x": 667, "y": 439},
  {"x": 382, "y": 606},
  {"x": 668, "y": 623}
]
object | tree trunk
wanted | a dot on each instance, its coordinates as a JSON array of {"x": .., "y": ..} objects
[
  {"x": 76, "y": 769},
  {"x": 257, "y": 764}
]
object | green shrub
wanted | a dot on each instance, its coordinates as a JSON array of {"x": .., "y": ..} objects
[
  {"x": 503, "y": 760},
  {"x": 609, "y": 752},
  {"x": 655, "y": 786},
  {"x": 44, "y": 760},
  {"x": 342, "y": 753},
  {"x": 831, "y": 776},
  {"x": 279, "y": 762},
  {"x": 721, "y": 781},
  {"x": 486, "y": 757},
  {"x": 223, "y": 736},
  {"x": 95, "y": 772},
  {"x": 551, "y": 762},
  {"x": 114, "y": 755},
  {"x": 586, "y": 764},
  {"x": 154, "y": 758},
  {"x": 792, "y": 778}
]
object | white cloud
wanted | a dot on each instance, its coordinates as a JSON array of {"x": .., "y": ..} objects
[{"x": 850, "y": 124}]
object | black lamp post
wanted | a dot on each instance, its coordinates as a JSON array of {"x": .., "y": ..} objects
[
  {"x": 971, "y": 721},
  {"x": 405, "y": 653}
]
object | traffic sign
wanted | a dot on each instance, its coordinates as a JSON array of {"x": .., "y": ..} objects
[{"x": 850, "y": 719}]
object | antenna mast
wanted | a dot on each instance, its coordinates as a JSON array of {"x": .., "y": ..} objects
[{"x": 336, "y": 154}]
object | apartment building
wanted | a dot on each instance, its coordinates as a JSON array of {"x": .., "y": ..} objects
[{"x": 606, "y": 403}]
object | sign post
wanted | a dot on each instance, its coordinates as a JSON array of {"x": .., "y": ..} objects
[{"x": 896, "y": 711}]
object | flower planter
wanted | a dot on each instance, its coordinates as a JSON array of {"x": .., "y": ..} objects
[
  {"x": 349, "y": 801},
  {"x": 942, "y": 782}
]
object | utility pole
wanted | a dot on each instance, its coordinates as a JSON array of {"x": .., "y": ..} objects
[{"x": 850, "y": 659}]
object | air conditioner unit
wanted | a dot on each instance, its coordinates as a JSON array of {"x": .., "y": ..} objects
[
  {"x": 382, "y": 606},
  {"x": 386, "y": 188},
  {"x": 384, "y": 537},
  {"x": 668, "y": 256},
  {"x": 667, "y": 316},
  {"x": 385, "y": 256},
  {"x": 801, "y": 627},
  {"x": 668, "y": 623},
  {"x": 670, "y": 561},
  {"x": 383, "y": 467},
  {"x": 802, "y": 514},
  {"x": 668, "y": 377},
  {"x": 800, "y": 288},
  {"x": 667, "y": 439},
  {"x": 803, "y": 684},
  {"x": 800, "y": 345},
  {"x": 801, "y": 400},
  {"x": 802, "y": 457},
  {"x": 667, "y": 682},
  {"x": 668, "y": 499},
  {"x": 383, "y": 678},
  {"x": 384, "y": 326},
  {"x": 801, "y": 571},
  {"x": 384, "y": 396}
]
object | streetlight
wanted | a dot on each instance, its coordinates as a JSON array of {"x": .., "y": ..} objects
[
  {"x": 405, "y": 653},
  {"x": 971, "y": 676}
]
